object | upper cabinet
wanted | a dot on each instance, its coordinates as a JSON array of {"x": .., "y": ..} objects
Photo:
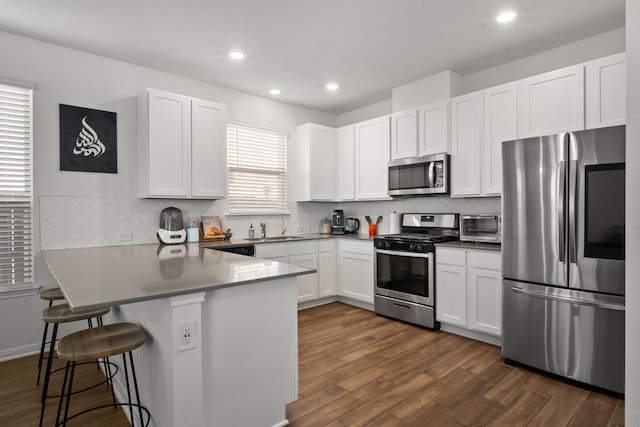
[
  {"x": 316, "y": 162},
  {"x": 552, "y": 102},
  {"x": 433, "y": 128},
  {"x": 404, "y": 134},
  {"x": 500, "y": 124},
  {"x": 606, "y": 91},
  {"x": 372, "y": 140},
  {"x": 346, "y": 185},
  {"x": 182, "y": 147},
  {"x": 466, "y": 142}
]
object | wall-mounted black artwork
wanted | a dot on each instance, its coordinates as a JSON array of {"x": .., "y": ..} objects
[{"x": 88, "y": 140}]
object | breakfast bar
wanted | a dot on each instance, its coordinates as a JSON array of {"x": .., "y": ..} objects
[{"x": 221, "y": 328}]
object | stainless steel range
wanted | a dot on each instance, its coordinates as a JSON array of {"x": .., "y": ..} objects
[{"x": 405, "y": 267}]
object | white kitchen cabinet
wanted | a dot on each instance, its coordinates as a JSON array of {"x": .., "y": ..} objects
[
  {"x": 500, "y": 124},
  {"x": 605, "y": 87},
  {"x": 355, "y": 270},
  {"x": 404, "y": 134},
  {"x": 466, "y": 142},
  {"x": 316, "y": 164},
  {"x": 552, "y": 102},
  {"x": 327, "y": 268},
  {"x": 273, "y": 251},
  {"x": 433, "y": 128},
  {"x": 372, "y": 139},
  {"x": 305, "y": 254},
  {"x": 346, "y": 163},
  {"x": 182, "y": 146},
  {"x": 469, "y": 289}
]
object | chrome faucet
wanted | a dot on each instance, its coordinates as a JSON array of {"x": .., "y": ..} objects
[
  {"x": 284, "y": 230},
  {"x": 263, "y": 230}
]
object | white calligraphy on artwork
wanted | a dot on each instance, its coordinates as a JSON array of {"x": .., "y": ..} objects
[{"x": 88, "y": 143}]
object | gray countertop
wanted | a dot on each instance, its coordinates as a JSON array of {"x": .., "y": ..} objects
[
  {"x": 296, "y": 238},
  {"x": 471, "y": 245},
  {"x": 113, "y": 275}
]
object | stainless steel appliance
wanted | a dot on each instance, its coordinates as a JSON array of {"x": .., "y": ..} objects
[
  {"x": 405, "y": 267},
  {"x": 242, "y": 249},
  {"x": 486, "y": 228},
  {"x": 171, "y": 229},
  {"x": 337, "y": 222},
  {"x": 351, "y": 225},
  {"x": 419, "y": 175},
  {"x": 563, "y": 254}
]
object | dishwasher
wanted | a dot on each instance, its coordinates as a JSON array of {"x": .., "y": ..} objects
[{"x": 248, "y": 250}]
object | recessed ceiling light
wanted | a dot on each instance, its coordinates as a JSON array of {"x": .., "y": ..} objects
[
  {"x": 237, "y": 55},
  {"x": 506, "y": 16},
  {"x": 274, "y": 91},
  {"x": 332, "y": 86}
]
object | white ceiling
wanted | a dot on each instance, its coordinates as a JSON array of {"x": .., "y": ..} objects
[{"x": 366, "y": 46}]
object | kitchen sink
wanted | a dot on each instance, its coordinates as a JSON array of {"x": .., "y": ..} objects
[{"x": 275, "y": 238}]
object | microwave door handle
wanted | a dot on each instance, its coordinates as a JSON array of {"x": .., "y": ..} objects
[{"x": 431, "y": 178}]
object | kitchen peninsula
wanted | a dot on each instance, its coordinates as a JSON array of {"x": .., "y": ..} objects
[{"x": 240, "y": 312}]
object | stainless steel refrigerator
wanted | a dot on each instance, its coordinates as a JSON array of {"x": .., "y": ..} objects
[{"x": 563, "y": 254}]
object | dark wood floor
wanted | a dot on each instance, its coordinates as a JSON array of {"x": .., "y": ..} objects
[{"x": 357, "y": 368}]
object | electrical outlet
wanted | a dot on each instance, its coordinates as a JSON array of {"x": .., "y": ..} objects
[{"x": 187, "y": 335}]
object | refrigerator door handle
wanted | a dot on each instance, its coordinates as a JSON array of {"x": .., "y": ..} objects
[
  {"x": 570, "y": 300},
  {"x": 561, "y": 211},
  {"x": 573, "y": 209}
]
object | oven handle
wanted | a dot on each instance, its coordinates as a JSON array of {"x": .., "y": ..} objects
[{"x": 407, "y": 254}]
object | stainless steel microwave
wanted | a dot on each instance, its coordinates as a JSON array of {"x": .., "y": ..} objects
[
  {"x": 481, "y": 228},
  {"x": 419, "y": 175}
]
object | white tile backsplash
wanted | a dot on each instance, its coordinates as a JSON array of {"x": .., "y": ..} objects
[{"x": 75, "y": 222}]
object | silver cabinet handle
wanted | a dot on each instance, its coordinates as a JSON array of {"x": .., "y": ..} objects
[{"x": 597, "y": 304}]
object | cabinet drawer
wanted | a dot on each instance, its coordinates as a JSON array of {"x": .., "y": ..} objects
[
  {"x": 327, "y": 245},
  {"x": 271, "y": 250},
  {"x": 358, "y": 247},
  {"x": 485, "y": 259},
  {"x": 301, "y": 248},
  {"x": 450, "y": 256}
]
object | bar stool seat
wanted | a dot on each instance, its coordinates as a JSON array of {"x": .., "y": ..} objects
[
  {"x": 51, "y": 295},
  {"x": 96, "y": 343},
  {"x": 56, "y": 315}
]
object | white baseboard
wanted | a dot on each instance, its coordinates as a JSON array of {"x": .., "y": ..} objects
[
  {"x": 18, "y": 352},
  {"x": 474, "y": 335}
]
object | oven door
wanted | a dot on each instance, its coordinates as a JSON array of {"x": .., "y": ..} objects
[{"x": 405, "y": 275}]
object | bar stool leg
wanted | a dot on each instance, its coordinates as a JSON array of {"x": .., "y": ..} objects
[
  {"x": 44, "y": 341},
  {"x": 126, "y": 376},
  {"x": 64, "y": 384},
  {"x": 47, "y": 373},
  {"x": 66, "y": 409},
  {"x": 135, "y": 385}
]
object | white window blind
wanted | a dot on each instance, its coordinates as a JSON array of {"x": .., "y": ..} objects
[
  {"x": 257, "y": 169},
  {"x": 16, "y": 246}
]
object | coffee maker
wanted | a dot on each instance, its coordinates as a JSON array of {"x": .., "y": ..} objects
[{"x": 337, "y": 222}]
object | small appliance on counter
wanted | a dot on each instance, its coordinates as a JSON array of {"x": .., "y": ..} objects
[
  {"x": 484, "y": 228},
  {"x": 351, "y": 225},
  {"x": 337, "y": 222},
  {"x": 171, "y": 230}
]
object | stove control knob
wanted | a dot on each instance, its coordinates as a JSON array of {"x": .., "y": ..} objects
[
  {"x": 419, "y": 248},
  {"x": 412, "y": 247}
]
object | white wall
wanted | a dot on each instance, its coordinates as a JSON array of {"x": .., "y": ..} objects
[
  {"x": 72, "y": 77},
  {"x": 632, "y": 376},
  {"x": 365, "y": 113}
]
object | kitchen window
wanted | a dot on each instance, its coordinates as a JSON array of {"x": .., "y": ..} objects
[
  {"x": 16, "y": 197},
  {"x": 257, "y": 169}
]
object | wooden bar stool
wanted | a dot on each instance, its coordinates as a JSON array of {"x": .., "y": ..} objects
[
  {"x": 96, "y": 343},
  {"x": 51, "y": 295},
  {"x": 56, "y": 315}
]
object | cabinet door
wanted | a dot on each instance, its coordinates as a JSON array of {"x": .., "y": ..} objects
[
  {"x": 169, "y": 144},
  {"x": 551, "y": 102},
  {"x": 404, "y": 134},
  {"x": 485, "y": 300},
  {"x": 322, "y": 163},
  {"x": 451, "y": 294},
  {"x": 273, "y": 251},
  {"x": 606, "y": 92},
  {"x": 500, "y": 124},
  {"x": 466, "y": 141},
  {"x": 208, "y": 149},
  {"x": 308, "y": 283},
  {"x": 356, "y": 276},
  {"x": 327, "y": 274},
  {"x": 433, "y": 129},
  {"x": 346, "y": 163},
  {"x": 371, "y": 158}
]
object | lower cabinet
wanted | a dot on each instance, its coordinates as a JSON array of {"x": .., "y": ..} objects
[
  {"x": 327, "y": 268},
  {"x": 468, "y": 289},
  {"x": 305, "y": 254},
  {"x": 355, "y": 270}
]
